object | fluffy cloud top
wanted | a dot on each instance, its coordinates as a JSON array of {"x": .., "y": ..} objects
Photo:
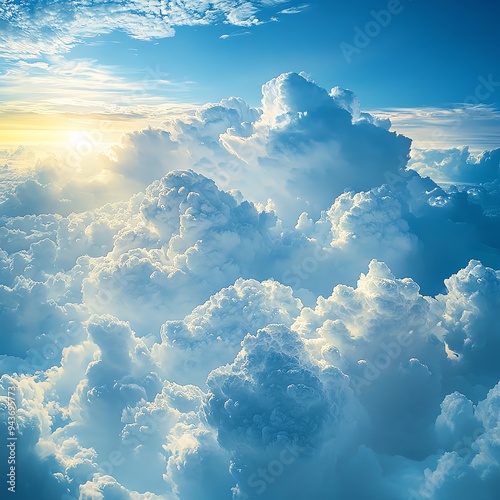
[
  {"x": 303, "y": 148},
  {"x": 457, "y": 165},
  {"x": 190, "y": 241},
  {"x": 211, "y": 335}
]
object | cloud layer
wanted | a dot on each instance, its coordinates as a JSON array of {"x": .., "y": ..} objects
[{"x": 255, "y": 303}]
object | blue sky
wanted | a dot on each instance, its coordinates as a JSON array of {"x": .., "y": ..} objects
[
  {"x": 428, "y": 55},
  {"x": 404, "y": 66}
]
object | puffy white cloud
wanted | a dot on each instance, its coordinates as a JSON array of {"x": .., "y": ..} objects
[
  {"x": 486, "y": 462},
  {"x": 274, "y": 408},
  {"x": 457, "y": 165},
  {"x": 470, "y": 466},
  {"x": 462, "y": 173},
  {"x": 305, "y": 138},
  {"x": 302, "y": 149},
  {"x": 197, "y": 240},
  {"x": 387, "y": 337},
  {"x": 470, "y": 318},
  {"x": 355, "y": 229},
  {"x": 61, "y": 187},
  {"x": 104, "y": 487},
  {"x": 211, "y": 335},
  {"x": 455, "y": 421},
  {"x": 32, "y": 321}
]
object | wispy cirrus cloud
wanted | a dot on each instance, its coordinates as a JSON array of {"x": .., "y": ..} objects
[
  {"x": 447, "y": 127},
  {"x": 49, "y": 101},
  {"x": 65, "y": 24},
  {"x": 294, "y": 10},
  {"x": 59, "y": 84},
  {"x": 225, "y": 36}
]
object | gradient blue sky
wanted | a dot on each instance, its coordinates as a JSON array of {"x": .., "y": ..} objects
[{"x": 430, "y": 54}]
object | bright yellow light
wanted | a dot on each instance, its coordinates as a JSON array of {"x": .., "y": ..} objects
[
  {"x": 76, "y": 137},
  {"x": 70, "y": 137},
  {"x": 63, "y": 129}
]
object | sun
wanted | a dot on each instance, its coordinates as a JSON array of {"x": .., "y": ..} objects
[{"x": 76, "y": 137}]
